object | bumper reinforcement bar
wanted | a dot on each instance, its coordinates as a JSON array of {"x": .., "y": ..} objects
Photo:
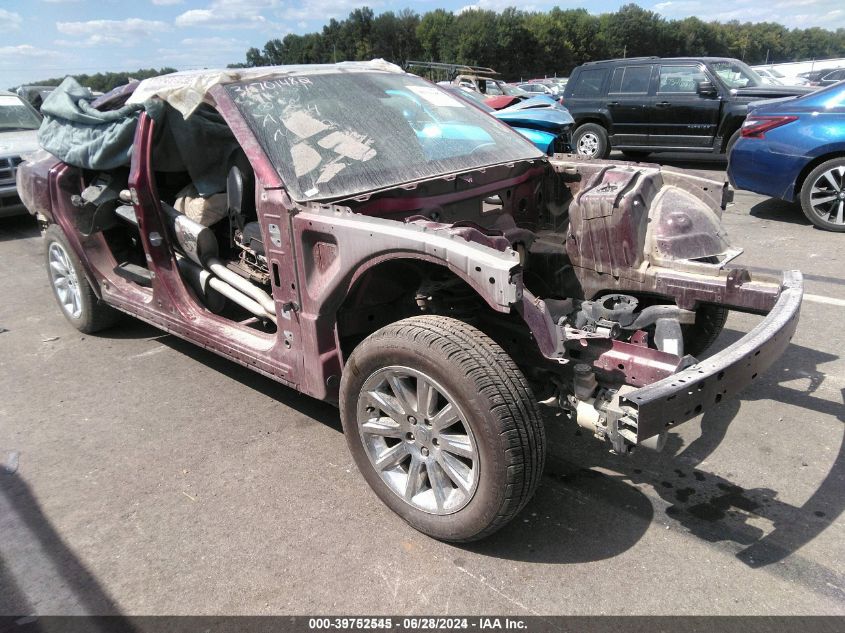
[{"x": 682, "y": 396}]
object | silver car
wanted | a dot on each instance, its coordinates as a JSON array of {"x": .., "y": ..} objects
[{"x": 19, "y": 124}]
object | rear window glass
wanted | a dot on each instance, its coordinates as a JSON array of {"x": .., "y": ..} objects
[
  {"x": 631, "y": 80},
  {"x": 590, "y": 83}
]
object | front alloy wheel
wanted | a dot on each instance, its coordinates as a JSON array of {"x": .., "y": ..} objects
[
  {"x": 443, "y": 426},
  {"x": 417, "y": 439}
]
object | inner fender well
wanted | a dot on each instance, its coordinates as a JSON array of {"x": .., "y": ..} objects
[{"x": 384, "y": 291}]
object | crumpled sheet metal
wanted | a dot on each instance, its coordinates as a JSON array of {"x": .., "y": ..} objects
[{"x": 186, "y": 90}]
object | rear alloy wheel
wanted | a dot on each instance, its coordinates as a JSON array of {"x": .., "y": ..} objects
[
  {"x": 73, "y": 293},
  {"x": 591, "y": 140},
  {"x": 64, "y": 279},
  {"x": 823, "y": 195},
  {"x": 443, "y": 426}
]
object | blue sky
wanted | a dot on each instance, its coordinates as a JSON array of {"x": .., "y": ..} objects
[{"x": 48, "y": 38}]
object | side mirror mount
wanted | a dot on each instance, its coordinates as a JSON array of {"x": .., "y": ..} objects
[{"x": 706, "y": 89}]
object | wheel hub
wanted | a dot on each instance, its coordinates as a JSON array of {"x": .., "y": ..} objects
[{"x": 588, "y": 145}]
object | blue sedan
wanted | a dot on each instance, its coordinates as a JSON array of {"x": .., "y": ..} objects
[{"x": 794, "y": 149}]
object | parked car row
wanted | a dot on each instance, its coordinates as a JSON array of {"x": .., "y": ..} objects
[
  {"x": 639, "y": 106},
  {"x": 553, "y": 87},
  {"x": 776, "y": 77},
  {"x": 783, "y": 141},
  {"x": 825, "y": 77}
]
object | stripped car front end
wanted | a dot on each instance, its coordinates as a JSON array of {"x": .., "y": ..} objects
[
  {"x": 650, "y": 257},
  {"x": 613, "y": 273}
]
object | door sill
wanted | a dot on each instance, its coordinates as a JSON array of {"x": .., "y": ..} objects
[{"x": 663, "y": 148}]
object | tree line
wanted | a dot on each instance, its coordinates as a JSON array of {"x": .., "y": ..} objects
[
  {"x": 523, "y": 44},
  {"x": 103, "y": 82}
]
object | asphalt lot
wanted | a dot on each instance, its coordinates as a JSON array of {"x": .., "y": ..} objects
[{"x": 153, "y": 477}]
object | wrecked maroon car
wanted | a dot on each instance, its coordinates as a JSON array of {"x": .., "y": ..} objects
[{"x": 357, "y": 234}]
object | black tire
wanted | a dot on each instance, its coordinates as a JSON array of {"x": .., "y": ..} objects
[
  {"x": 829, "y": 216},
  {"x": 591, "y": 135},
  {"x": 635, "y": 155},
  {"x": 92, "y": 315},
  {"x": 709, "y": 322},
  {"x": 499, "y": 409}
]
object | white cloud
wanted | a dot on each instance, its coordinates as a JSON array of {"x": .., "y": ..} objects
[
  {"x": 500, "y": 5},
  {"x": 678, "y": 8},
  {"x": 25, "y": 54},
  {"x": 93, "y": 41},
  {"x": 324, "y": 10},
  {"x": 228, "y": 14},
  {"x": 9, "y": 20},
  {"x": 225, "y": 44},
  {"x": 110, "y": 32},
  {"x": 202, "y": 52},
  {"x": 27, "y": 50},
  {"x": 791, "y": 13}
]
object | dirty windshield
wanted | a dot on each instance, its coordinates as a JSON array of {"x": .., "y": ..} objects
[
  {"x": 340, "y": 134},
  {"x": 16, "y": 115}
]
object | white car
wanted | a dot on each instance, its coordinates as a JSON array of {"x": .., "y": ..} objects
[
  {"x": 537, "y": 88},
  {"x": 775, "y": 77},
  {"x": 19, "y": 123}
]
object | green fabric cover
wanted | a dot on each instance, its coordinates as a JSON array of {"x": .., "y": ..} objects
[{"x": 85, "y": 137}]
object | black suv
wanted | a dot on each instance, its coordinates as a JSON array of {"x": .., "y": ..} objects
[{"x": 651, "y": 104}]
